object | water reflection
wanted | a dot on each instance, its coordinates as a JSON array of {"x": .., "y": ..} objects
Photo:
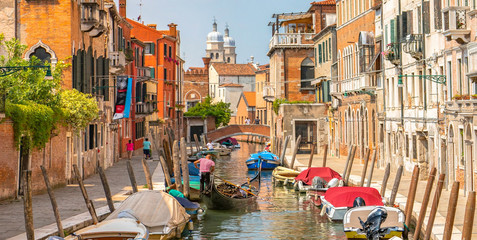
[{"x": 280, "y": 213}]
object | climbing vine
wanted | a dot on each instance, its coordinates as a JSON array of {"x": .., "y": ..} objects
[{"x": 280, "y": 101}]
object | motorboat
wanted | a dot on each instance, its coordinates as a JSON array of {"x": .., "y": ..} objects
[
  {"x": 161, "y": 214},
  {"x": 304, "y": 180},
  {"x": 204, "y": 153},
  {"x": 221, "y": 149},
  {"x": 230, "y": 142},
  {"x": 282, "y": 176},
  {"x": 338, "y": 200},
  {"x": 192, "y": 208},
  {"x": 118, "y": 228},
  {"x": 267, "y": 160},
  {"x": 371, "y": 222}
]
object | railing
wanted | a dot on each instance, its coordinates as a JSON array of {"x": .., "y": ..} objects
[
  {"x": 291, "y": 39},
  {"x": 143, "y": 73},
  {"x": 413, "y": 45},
  {"x": 392, "y": 53},
  {"x": 335, "y": 87},
  {"x": 455, "y": 23},
  {"x": 362, "y": 82},
  {"x": 117, "y": 59},
  {"x": 144, "y": 108}
]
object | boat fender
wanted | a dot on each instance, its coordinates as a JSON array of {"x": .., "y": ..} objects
[
  {"x": 190, "y": 225},
  {"x": 341, "y": 183},
  {"x": 200, "y": 210},
  {"x": 333, "y": 183},
  {"x": 300, "y": 186}
]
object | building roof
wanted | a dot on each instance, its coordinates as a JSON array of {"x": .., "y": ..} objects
[
  {"x": 249, "y": 98},
  {"x": 230, "y": 85},
  {"x": 148, "y": 28},
  {"x": 324, "y": 2},
  {"x": 227, "y": 69}
]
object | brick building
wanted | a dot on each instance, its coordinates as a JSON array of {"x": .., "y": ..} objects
[{"x": 196, "y": 84}]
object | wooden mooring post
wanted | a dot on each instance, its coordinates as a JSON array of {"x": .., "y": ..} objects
[
  {"x": 411, "y": 195},
  {"x": 397, "y": 180},
  {"x": 469, "y": 217},
  {"x": 147, "y": 174},
  {"x": 425, "y": 202},
  {"x": 89, "y": 203},
  {"x": 347, "y": 162},
  {"x": 312, "y": 153},
  {"x": 387, "y": 171},
  {"x": 365, "y": 166},
  {"x": 27, "y": 205},
  {"x": 350, "y": 166},
  {"x": 177, "y": 166},
  {"x": 454, "y": 196},
  {"x": 107, "y": 190},
  {"x": 435, "y": 204},
  {"x": 371, "y": 168},
  {"x": 295, "y": 150},
  {"x": 54, "y": 205},
  {"x": 325, "y": 155},
  {"x": 185, "y": 168},
  {"x": 164, "y": 166},
  {"x": 197, "y": 146},
  {"x": 132, "y": 178},
  {"x": 284, "y": 150}
]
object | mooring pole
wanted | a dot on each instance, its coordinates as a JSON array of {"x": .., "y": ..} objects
[
  {"x": 365, "y": 166},
  {"x": 454, "y": 196},
  {"x": 387, "y": 171},
  {"x": 196, "y": 140},
  {"x": 310, "y": 160},
  {"x": 397, "y": 180},
  {"x": 350, "y": 166},
  {"x": 185, "y": 168},
  {"x": 107, "y": 190},
  {"x": 425, "y": 202},
  {"x": 163, "y": 162},
  {"x": 285, "y": 144},
  {"x": 132, "y": 178},
  {"x": 469, "y": 217},
  {"x": 371, "y": 170},
  {"x": 147, "y": 173},
  {"x": 27, "y": 205},
  {"x": 325, "y": 155},
  {"x": 411, "y": 195},
  {"x": 89, "y": 203},
  {"x": 177, "y": 168},
  {"x": 435, "y": 204},
  {"x": 295, "y": 150}
]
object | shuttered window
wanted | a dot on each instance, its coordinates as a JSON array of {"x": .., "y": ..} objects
[
  {"x": 153, "y": 74},
  {"x": 438, "y": 15},
  {"x": 393, "y": 31},
  {"x": 426, "y": 17},
  {"x": 404, "y": 20},
  {"x": 319, "y": 54}
]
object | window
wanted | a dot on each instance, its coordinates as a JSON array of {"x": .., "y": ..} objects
[
  {"x": 414, "y": 147},
  {"x": 165, "y": 50},
  {"x": 211, "y": 55},
  {"x": 170, "y": 52},
  {"x": 216, "y": 55},
  {"x": 140, "y": 130},
  {"x": 320, "y": 59},
  {"x": 165, "y": 75},
  {"x": 153, "y": 74},
  {"x": 41, "y": 54},
  {"x": 307, "y": 73},
  {"x": 406, "y": 144},
  {"x": 150, "y": 48}
]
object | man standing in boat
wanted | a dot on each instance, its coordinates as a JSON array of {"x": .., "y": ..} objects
[{"x": 207, "y": 166}]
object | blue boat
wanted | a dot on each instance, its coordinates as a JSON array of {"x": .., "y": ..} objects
[{"x": 268, "y": 159}]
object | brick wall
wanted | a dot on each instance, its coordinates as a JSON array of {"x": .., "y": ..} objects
[
  {"x": 292, "y": 74},
  {"x": 8, "y": 161}
]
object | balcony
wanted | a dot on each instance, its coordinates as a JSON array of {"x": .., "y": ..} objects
[
  {"x": 269, "y": 92},
  {"x": 364, "y": 83},
  {"x": 291, "y": 40},
  {"x": 465, "y": 105},
  {"x": 117, "y": 62},
  {"x": 143, "y": 74},
  {"x": 392, "y": 53},
  {"x": 89, "y": 15},
  {"x": 100, "y": 27},
  {"x": 144, "y": 108},
  {"x": 413, "y": 45},
  {"x": 455, "y": 24}
]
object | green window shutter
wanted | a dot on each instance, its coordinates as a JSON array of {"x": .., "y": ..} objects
[
  {"x": 316, "y": 56},
  {"x": 386, "y": 34},
  {"x": 326, "y": 91},
  {"x": 153, "y": 74},
  {"x": 393, "y": 31},
  {"x": 329, "y": 46},
  {"x": 319, "y": 54},
  {"x": 324, "y": 51},
  {"x": 153, "y": 48}
]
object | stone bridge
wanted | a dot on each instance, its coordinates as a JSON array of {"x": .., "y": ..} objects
[{"x": 235, "y": 130}]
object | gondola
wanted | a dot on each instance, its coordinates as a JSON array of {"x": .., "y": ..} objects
[{"x": 217, "y": 200}]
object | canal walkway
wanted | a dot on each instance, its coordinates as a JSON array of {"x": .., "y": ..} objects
[
  {"x": 72, "y": 207},
  {"x": 437, "y": 234}
]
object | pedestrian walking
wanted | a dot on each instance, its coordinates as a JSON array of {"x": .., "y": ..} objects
[
  {"x": 147, "y": 149},
  {"x": 257, "y": 120},
  {"x": 247, "y": 121},
  {"x": 207, "y": 166},
  {"x": 130, "y": 149}
]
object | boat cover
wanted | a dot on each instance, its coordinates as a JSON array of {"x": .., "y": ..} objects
[
  {"x": 344, "y": 196},
  {"x": 157, "y": 210},
  {"x": 326, "y": 173},
  {"x": 264, "y": 155},
  {"x": 186, "y": 203},
  {"x": 231, "y": 140}
]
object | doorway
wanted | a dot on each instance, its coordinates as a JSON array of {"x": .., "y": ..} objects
[
  {"x": 308, "y": 132},
  {"x": 199, "y": 130}
]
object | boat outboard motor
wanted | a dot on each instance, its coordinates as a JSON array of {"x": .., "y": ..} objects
[
  {"x": 372, "y": 226},
  {"x": 318, "y": 182},
  {"x": 359, "y": 202},
  {"x": 333, "y": 183}
]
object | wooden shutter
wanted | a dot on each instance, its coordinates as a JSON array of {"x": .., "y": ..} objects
[
  {"x": 319, "y": 54},
  {"x": 426, "y": 17},
  {"x": 409, "y": 22},
  {"x": 437, "y": 15},
  {"x": 393, "y": 31},
  {"x": 404, "y": 20},
  {"x": 106, "y": 74}
]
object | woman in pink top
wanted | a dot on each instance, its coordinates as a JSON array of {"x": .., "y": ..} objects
[
  {"x": 130, "y": 149},
  {"x": 207, "y": 166}
]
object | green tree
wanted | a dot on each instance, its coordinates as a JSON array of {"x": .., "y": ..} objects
[
  {"x": 37, "y": 104},
  {"x": 221, "y": 111}
]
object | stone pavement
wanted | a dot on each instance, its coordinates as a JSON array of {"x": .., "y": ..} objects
[
  {"x": 338, "y": 165},
  {"x": 71, "y": 203}
]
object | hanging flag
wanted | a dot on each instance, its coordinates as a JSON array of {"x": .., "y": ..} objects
[{"x": 123, "y": 97}]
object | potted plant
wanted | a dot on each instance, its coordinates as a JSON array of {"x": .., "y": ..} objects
[
  {"x": 457, "y": 97},
  {"x": 474, "y": 96},
  {"x": 466, "y": 97}
]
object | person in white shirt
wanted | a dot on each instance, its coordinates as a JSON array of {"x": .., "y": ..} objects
[
  {"x": 247, "y": 121},
  {"x": 210, "y": 146}
]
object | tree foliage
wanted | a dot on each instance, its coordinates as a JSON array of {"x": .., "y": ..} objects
[
  {"x": 37, "y": 104},
  {"x": 279, "y": 101},
  {"x": 221, "y": 111}
]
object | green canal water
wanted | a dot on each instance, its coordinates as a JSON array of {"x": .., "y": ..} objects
[{"x": 280, "y": 213}]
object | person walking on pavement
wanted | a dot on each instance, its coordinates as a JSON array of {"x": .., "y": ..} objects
[
  {"x": 130, "y": 149},
  {"x": 257, "y": 121},
  {"x": 147, "y": 149},
  {"x": 207, "y": 166}
]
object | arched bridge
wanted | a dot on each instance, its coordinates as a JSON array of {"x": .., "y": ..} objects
[{"x": 235, "y": 130}]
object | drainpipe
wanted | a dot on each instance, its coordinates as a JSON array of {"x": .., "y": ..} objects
[
  {"x": 424, "y": 58},
  {"x": 400, "y": 64}
]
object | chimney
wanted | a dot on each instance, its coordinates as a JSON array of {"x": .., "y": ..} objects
[
  {"x": 153, "y": 26},
  {"x": 122, "y": 8},
  {"x": 172, "y": 30},
  {"x": 206, "y": 61}
]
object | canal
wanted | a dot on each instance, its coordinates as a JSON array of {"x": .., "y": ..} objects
[{"x": 281, "y": 213}]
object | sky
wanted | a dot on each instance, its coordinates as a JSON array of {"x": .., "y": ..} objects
[{"x": 247, "y": 19}]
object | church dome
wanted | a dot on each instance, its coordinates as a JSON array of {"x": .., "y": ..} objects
[
  {"x": 215, "y": 36},
  {"x": 229, "y": 42}
]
